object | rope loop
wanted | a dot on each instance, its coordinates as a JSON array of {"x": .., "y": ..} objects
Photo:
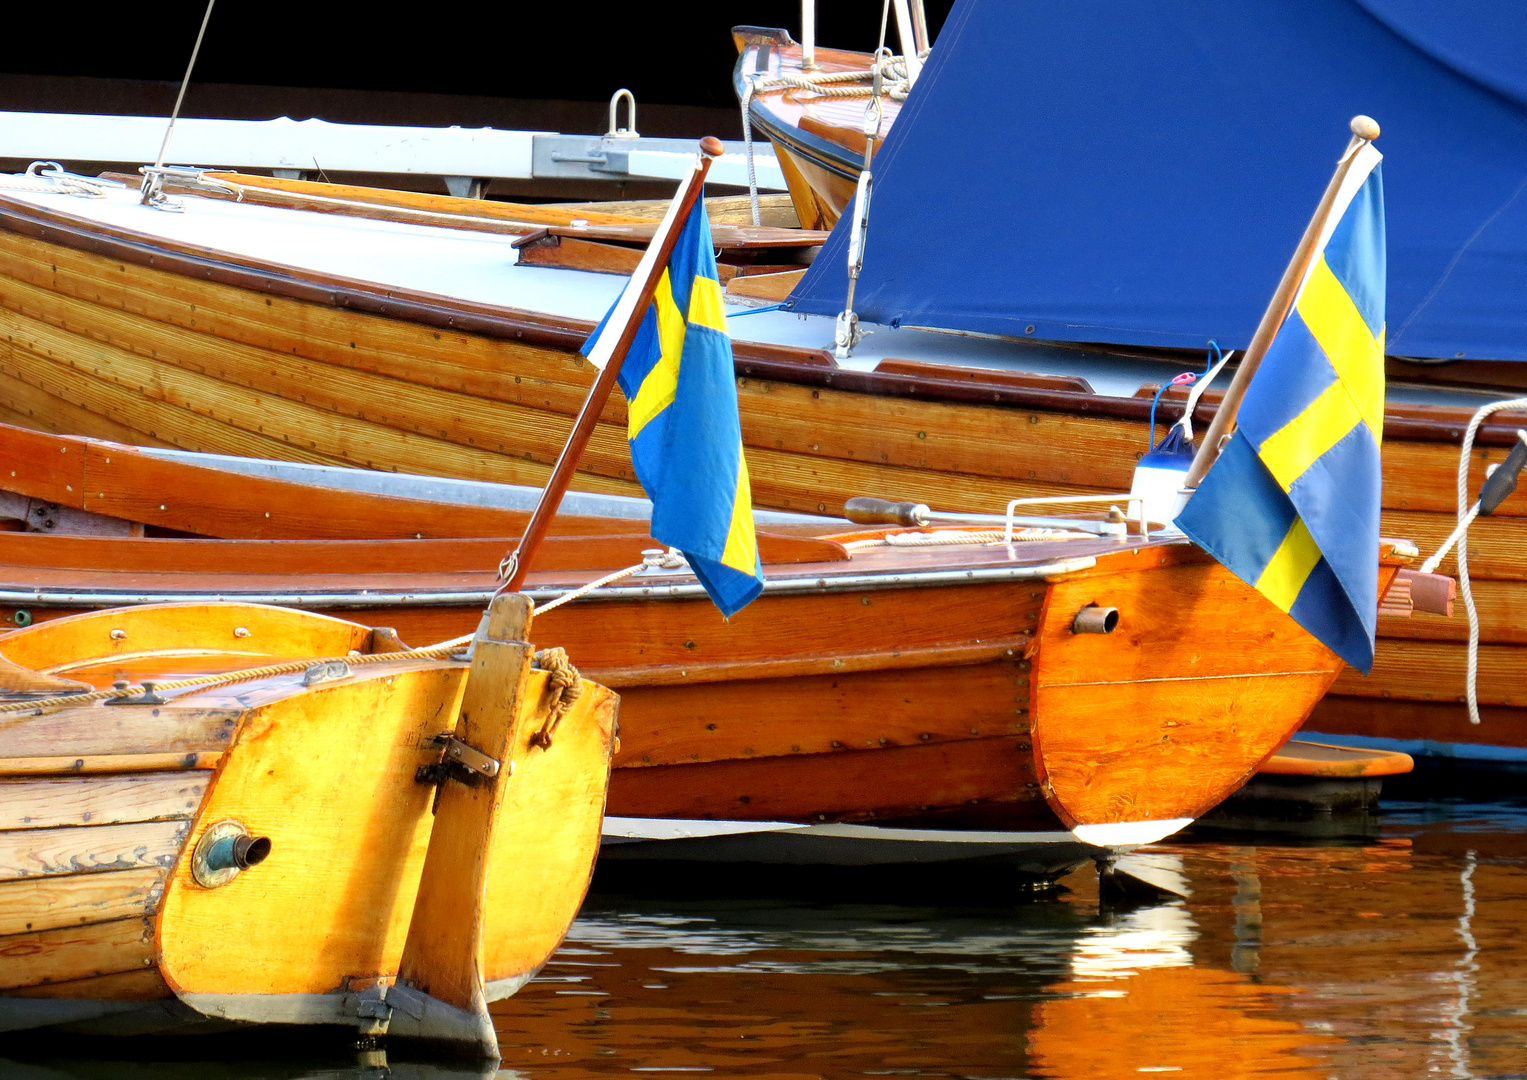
[
  {"x": 568, "y": 685},
  {"x": 1465, "y": 586}
]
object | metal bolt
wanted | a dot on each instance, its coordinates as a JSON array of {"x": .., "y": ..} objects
[
  {"x": 118, "y": 635},
  {"x": 241, "y": 631}
]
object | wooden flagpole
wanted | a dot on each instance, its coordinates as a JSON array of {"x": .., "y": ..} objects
[
  {"x": 1364, "y": 130},
  {"x": 608, "y": 354}
]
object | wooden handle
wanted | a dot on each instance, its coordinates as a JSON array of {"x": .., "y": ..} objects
[
  {"x": 867, "y": 511},
  {"x": 1502, "y": 481},
  {"x": 711, "y": 146}
]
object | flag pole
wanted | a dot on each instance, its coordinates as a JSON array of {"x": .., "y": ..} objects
[
  {"x": 608, "y": 354},
  {"x": 1364, "y": 130}
]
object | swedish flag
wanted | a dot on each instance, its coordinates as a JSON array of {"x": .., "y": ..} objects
[
  {"x": 686, "y": 441},
  {"x": 1291, "y": 506}
]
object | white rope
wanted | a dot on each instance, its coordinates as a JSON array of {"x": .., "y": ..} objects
[
  {"x": 747, "y": 139},
  {"x": 665, "y": 560},
  {"x": 49, "y": 178},
  {"x": 832, "y": 84},
  {"x": 946, "y": 537},
  {"x": 1466, "y": 513}
]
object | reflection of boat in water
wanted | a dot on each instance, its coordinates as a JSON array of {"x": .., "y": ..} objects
[
  {"x": 220, "y": 815},
  {"x": 364, "y": 1065},
  {"x": 1191, "y": 1022},
  {"x": 903, "y": 676}
]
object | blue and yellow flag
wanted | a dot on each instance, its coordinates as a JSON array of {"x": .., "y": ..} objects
[
  {"x": 686, "y": 441},
  {"x": 1292, "y": 504}
]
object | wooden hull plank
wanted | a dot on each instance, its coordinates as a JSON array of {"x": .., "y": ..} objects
[
  {"x": 27, "y": 853},
  {"x": 859, "y": 785},
  {"x": 821, "y": 714},
  {"x": 52, "y": 803},
  {"x": 48, "y": 956},
  {"x": 50, "y": 903}
]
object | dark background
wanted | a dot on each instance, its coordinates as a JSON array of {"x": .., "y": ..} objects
[{"x": 549, "y": 66}]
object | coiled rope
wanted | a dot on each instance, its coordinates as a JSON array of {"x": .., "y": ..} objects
[{"x": 568, "y": 684}]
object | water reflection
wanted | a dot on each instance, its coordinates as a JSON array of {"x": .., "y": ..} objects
[{"x": 1401, "y": 956}]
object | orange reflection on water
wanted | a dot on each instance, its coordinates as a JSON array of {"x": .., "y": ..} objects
[{"x": 1181, "y": 1021}]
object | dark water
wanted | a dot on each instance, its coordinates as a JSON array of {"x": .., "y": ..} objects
[{"x": 1401, "y": 956}]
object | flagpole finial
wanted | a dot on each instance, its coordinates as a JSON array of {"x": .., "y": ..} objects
[
  {"x": 711, "y": 146},
  {"x": 1365, "y": 127}
]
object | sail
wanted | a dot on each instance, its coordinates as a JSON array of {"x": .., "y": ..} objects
[{"x": 1111, "y": 171}]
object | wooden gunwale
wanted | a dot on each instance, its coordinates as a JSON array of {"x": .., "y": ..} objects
[{"x": 753, "y": 359}]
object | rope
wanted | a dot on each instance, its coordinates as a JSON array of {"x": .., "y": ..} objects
[
  {"x": 291, "y": 667},
  {"x": 946, "y": 537},
  {"x": 830, "y": 84},
  {"x": 565, "y": 679},
  {"x": 568, "y": 683},
  {"x": 49, "y": 178},
  {"x": 666, "y": 560},
  {"x": 1466, "y": 513},
  {"x": 747, "y": 140}
]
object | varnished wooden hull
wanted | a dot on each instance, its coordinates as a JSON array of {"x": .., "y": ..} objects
[
  {"x": 818, "y": 141},
  {"x": 105, "y": 338},
  {"x": 928, "y": 685},
  {"x": 104, "y": 925}
]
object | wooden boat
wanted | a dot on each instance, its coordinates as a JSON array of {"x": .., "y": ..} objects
[
  {"x": 818, "y": 137},
  {"x": 394, "y": 345},
  {"x": 873, "y": 682},
  {"x": 278, "y": 817}
]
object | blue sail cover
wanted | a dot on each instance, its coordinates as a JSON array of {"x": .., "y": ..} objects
[{"x": 1130, "y": 173}]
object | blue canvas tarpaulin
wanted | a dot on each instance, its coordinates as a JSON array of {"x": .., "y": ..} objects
[{"x": 1111, "y": 171}]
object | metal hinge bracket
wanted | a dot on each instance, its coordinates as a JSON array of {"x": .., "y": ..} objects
[{"x": 458, "y": 761}]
